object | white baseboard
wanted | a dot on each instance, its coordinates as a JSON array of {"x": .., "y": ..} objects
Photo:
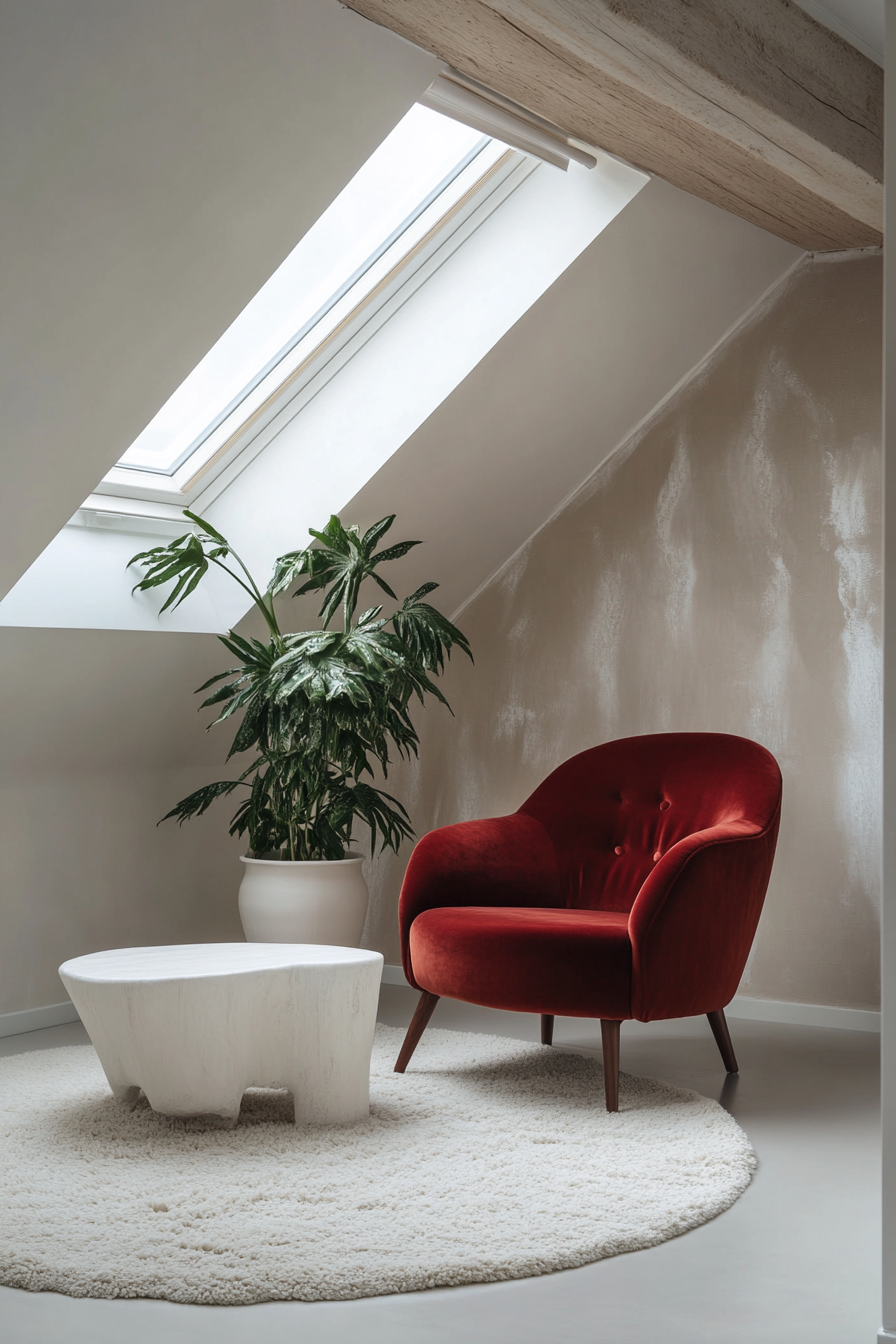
[
  {"x": 883, "y": 1335},
  {"x": 35, "y": 1019},
  {"x": 803, "y": 1014},
  {"x": 758, "y": 1010}
]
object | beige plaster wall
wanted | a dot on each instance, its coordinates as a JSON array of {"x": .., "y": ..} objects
[
  {"x": 720, "y": 572},
  {"x": 84, "y": 867},
  {"x": 100, "y": 736}
]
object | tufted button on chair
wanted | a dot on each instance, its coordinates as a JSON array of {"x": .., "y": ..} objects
[{"x": 629, "y": 885}]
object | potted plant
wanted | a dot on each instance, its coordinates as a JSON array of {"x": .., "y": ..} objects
[{"x": 321, "y": 710}]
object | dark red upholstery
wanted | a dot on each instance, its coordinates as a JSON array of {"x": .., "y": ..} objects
[
  {"x": 530, "y": 961},
  {"x": 628, "y": 885}
]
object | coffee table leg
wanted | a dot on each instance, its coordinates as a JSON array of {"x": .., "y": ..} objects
[
  {"x": 335, "y": 1018},
  {"x": 166, "y": 1038},
  {"x": 121, "y": 1090}
]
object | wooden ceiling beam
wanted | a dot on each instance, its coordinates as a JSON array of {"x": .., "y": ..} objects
[{"x": 754, "y": 107}]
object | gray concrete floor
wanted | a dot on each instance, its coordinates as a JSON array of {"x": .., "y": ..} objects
[{"x": 795, "y": 1261}]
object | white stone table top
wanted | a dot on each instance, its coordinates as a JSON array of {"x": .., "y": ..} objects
[{"x": 193, "y": 960}]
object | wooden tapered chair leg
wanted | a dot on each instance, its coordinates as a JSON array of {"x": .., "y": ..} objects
[
  {"x": 609, "y": 1038},
  {"x": 723, "y": 1039},
  {"x": 419, "y": 1023},
  {"x": 547, "y": 1028}
]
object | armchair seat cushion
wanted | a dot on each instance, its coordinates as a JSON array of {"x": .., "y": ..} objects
[{"x": 575, "y": 963}]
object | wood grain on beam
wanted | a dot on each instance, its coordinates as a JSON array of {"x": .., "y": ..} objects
[{"x": 754, "y": 107}]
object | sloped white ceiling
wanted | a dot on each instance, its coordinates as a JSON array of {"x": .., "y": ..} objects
[{"x": 159, "y": 161}]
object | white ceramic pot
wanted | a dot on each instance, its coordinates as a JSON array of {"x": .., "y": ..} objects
[{"x": 311, "y": 901}]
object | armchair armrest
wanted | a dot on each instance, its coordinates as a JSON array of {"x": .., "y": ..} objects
[
  {"x": 693, "y": 921},
  {"x": 504, "y": 861}
]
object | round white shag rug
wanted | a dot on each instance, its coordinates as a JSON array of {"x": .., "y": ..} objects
[{"x": 489, "y": 1159}]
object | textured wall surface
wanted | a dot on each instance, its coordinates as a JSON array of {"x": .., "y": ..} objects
[
  {"x": 720, "y": 572},
  {"x": 83, "y": 867}
]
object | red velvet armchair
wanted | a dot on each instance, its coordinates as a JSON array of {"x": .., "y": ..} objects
[{"x": 629, "y": 885}]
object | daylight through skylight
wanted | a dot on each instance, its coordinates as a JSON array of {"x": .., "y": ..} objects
[{"x": 416, "y": 176}]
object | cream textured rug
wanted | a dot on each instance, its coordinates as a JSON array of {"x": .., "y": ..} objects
[{"x": 489, "y": 1159}]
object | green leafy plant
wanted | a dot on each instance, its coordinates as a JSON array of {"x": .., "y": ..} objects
[{"x": 321, "y": 709}]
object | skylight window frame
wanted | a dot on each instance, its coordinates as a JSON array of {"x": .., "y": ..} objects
[
  {"x": 250, "y": 433},
  {"x": 325, "y": 309}
]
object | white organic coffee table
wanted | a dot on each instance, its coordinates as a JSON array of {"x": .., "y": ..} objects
[{"x": 195, "y": 1026}]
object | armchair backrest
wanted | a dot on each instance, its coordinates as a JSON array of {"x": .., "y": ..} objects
[{"x": 613, "y": 811}]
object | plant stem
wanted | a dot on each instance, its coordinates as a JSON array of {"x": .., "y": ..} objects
[{"x": 252, "y": 589}]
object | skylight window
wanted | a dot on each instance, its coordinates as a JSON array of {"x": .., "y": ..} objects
[
  {"x": 416, "y": 180},
  {"x": 374, "y": 353}
]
